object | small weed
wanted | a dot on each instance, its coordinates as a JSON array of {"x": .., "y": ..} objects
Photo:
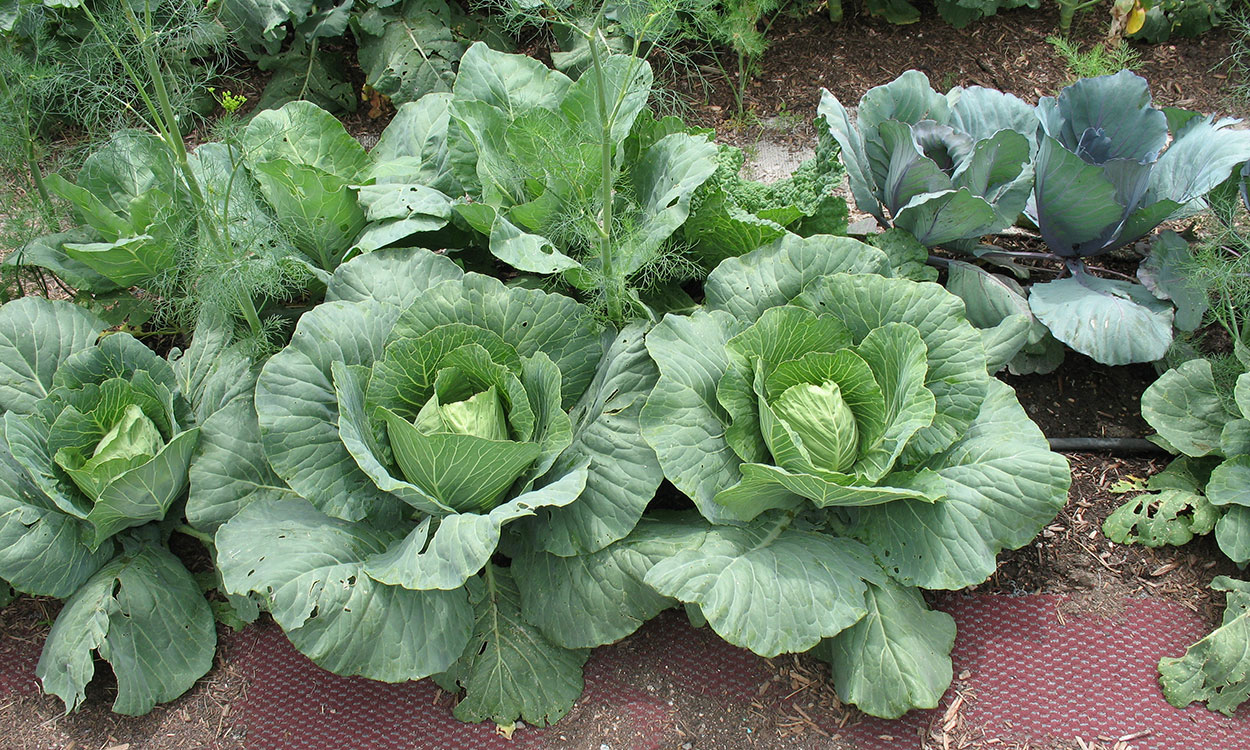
[
  {"x": 1099, "y": 60},
  {"x": 745, "y": 119},
  {"x": 785, "y": 120},
  {"x": 1238, "y": 60}
]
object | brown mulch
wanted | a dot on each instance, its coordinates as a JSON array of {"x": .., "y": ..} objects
[{"x": 1008, "y": 52}]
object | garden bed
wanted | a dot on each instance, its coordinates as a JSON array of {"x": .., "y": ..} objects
[
  {"x": 1058, "y": 650},
  {"x": 1059, "y": 647},
  {"x": 1061, "y": 644}
]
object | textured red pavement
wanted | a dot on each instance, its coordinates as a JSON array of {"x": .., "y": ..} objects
[{"x": 1028, "y": 672}]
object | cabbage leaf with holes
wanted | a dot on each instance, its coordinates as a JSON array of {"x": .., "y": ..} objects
[
  {"x": 845, "y": 447},
  {"x": 96, "y": 438},
  {"x": 1206, "y": 488},
  {"x": 423, "y": 426}
]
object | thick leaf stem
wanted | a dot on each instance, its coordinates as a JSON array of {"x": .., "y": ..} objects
[
  {"x": 28, "y": 143},
  {"x": 606, "y": 251},
  {"x": 782, "y": 524},
  {"x": 206, "y": 539}
]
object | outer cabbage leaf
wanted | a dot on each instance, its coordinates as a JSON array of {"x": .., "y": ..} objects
[
  {"x": 1114, "y": 322},
  {"x": 212, "y": 372},
  {"x": 409, "y": 50},
  {"x": 145, "y": 615},
  {"x": 1214, "y": 669},
  {"x": 229, "y": 469},
  {"x": 682, "y": 419},
  {"x": 413, "y": 148},
  {"x": 43, "y": 550},
  {"x": 997, "y": 306},
  {"x": 854, "y": 154},
  {"x": 1002, "y": 485},
  {"x": 897, "y": 657},
  {"x": 312, "y": 568},
  {"x": 594, "y": 599},
  {"x": 1171, "y": 517},
  {"x": 317, "y": 209},
  {"x": 1163, "y": 274},
  {"x": 464, "y": 542},
  {"x": 126, "y": 262},
  {"x": 509, "y": 668},
  {"x": 768, "y": 587},
  {"x": 300, "y": 72},
  {"x": 48, "y": 252},
  {"x": 1184, "y": 405},
  {"x": 623, "y": 470},
  {"x": 512, "y": 83},
  {"x": 1230, "y": 482},
  {"x": 771, "y": 276},
  {"x": 36, "y": 337},
  {"x": 303, "y": 133},
  {"x": 1232, "y": 533}
]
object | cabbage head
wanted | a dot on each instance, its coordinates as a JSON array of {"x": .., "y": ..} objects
[
  {"x": 423, "y": 426},
  {"x": 845, "y": 448},
  {"x": 948, "y": 168},
  {"x": 96, "y": 440}
]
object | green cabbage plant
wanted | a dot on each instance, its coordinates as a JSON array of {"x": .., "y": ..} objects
[
  {"x": 575, "y": 178},
  {"x": 1206, "y": 488},
  {"x": 578, "y": 181},
  {"x": 95, "y": 443},
  {"x": 246, "y": 227},
  {"x": 947, "y": 168},
  {"x": 424, "y": 426},
  {"x": 845, "y": 447}
]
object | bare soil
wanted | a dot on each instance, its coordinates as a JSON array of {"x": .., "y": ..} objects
[{"x": 1008, "y": 52}]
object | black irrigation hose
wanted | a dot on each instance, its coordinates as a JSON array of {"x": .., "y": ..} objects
[{"x": 1117, "y": 446}]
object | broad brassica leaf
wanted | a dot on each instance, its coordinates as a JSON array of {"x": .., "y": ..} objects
[
  {"x": 96, "y": 440},
  {"x": 844, "y": 444},
  {"x": 412, "y": 48},
  {"x": 129, "y": 195},
  {"x": 1104, "y": 178},
  {"x": 947, "y": 168},
  {"x": 1203, "y": 489},
  {"x": 143, "y": 613},
  {"x": 1215, "y": 668},
  {"x": 422, "y": 422},
  {"x": 1109, "y": 169}
]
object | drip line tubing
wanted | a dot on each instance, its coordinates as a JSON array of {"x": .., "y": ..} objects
[{"x": 1115, "y": 445}]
